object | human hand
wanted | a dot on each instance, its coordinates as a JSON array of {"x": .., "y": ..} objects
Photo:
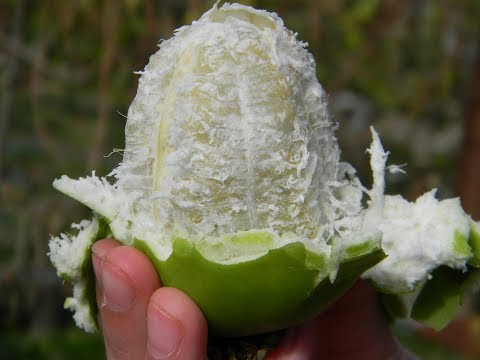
[
  {"x": 139, "y": 318},
  {"x": 352, "y": 328},
  {"x": 142, "y": 320}
]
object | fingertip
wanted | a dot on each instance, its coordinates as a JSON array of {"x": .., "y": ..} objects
[
  {"x": 136, "y": 266},
  {"x": 101, "y": 247},
  {"x": 125, "y": 281},
  {"x": 176, "y": 326},
  {"x": 99, "y": 251}
]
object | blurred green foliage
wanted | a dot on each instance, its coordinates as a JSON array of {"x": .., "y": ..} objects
[
  {"x": 71, "y": 344},
  {"x": 66, "y": 70},
  {"x": 426, "y": 349}
]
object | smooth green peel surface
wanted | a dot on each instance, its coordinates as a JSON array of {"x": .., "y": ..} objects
[
  {"x": 461, "y": 245},
  {"x": 222, "y": 290},
  {"x": 441, "y": 297},
  {"x": 474, "y": 242}
]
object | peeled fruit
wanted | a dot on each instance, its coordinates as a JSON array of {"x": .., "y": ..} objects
[{"x": 231, "y": 184}]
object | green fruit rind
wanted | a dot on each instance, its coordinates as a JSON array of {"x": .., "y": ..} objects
[
  {"x": 351, "y": 267},
  {"x": 461, "y": 245},
  {"x": 441, "y": 296},
  {"x": 436, "y": 300},
  {"x": 418, "y": 237},
  {"x": 474, "y": 242},
  {"x": 433, "y": 303},
  {"x": 285, "y": 286},
  {"x": 83, "y": 302}
]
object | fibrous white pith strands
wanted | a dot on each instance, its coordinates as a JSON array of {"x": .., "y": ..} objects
[{"x": 240, "y": 137}]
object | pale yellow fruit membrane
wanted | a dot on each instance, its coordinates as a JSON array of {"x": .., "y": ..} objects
[{"x": 229, "y": 144}]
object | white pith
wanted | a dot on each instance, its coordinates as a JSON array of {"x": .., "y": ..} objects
[
  {"x": 418, "y": 237},
  {"x": 229, "y": 132}
]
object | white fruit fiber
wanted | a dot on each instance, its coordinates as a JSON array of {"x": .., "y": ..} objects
[
  {"x": 68, "y": 253},
  {"x": 418, "y": 237},
  {"x": 229, "y": 131}
]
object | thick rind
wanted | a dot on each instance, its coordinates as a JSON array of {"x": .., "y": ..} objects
[
  {"x": 77, "y": 268},
  {"x": 287, "y": 285},
  {"x": 67, "y": 250},
  {"x": 105, "y": 199},
  {"x": 474, "y": 241},
  {"x": 284, "y": 287},
  {"x": 94, "y": 192},
  {"x": 441, "y": 296},
  {"x": 435, "y": 301},
  {"x": 230, "y": 131},
  {"x": 418, "y": 237}
]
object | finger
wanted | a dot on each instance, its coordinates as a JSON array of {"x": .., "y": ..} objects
[
  {"x": 99, "y": 252},
  {"x": 177, "y": 328},
  {"x": 354, "y": 327},
  {"x": 298, "y": 344},
  {"x": 127, "y": 279}
]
